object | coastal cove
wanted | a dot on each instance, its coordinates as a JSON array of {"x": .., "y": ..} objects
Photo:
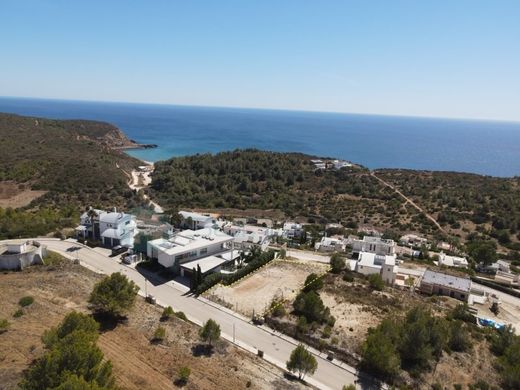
[{"x": 484, "y": 147}]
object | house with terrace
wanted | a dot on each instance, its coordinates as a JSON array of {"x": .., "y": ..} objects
[
  {"x": 195, "y": 221},
  {"x": 385, "y": 265},
  {"x": 187, "y": 250},
  {"x": 331, "y": 244},
  {"x": 440, "y": 283},
  {"x": 111, "y": 228},
  {"x": 377, "y": 245}
]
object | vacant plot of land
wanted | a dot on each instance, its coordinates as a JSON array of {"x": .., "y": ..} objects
[
  {"x": 280, "y": 279},
  {"x": 17, "y": 195},
  {"x": 138, "y": 364}
]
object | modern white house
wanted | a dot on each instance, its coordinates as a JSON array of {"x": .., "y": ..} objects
[
  {"x": 250, "y": 234},
  {"x": 319, "y": 164},
  {"x": 195, "y": 221},
  {"x": 338, "y": 164},
  {"x": 452, "y": 261},
  {"x": 413, "y": 240},
  {"x": 292, "y": 229},
  {"x": 385, "y": 265},
  {"x": 331, "y": 244},
  {"x": 376, "y": 245},
  {"x": 111, "y": 228},
  {"x": 191, "y": 248}
]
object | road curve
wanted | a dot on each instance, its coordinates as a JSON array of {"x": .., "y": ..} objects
[{"x": 276, "y": 347}]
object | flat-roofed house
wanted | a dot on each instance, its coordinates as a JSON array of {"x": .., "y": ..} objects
[
  {"x": 331, "y": 244},
  {"x": 292, "y": 229},
  {"x": 377, "y": 245},
  {"x": 452, "y": 261},
  {"x": 440, "y": 283},
  {"x": 117, "y": 229},
  {"x": 111, "y": 228},
  {"x": 195, "y": 221},
  {"x": 188, "y": 246},
  {"x": 384, "y": 265}
]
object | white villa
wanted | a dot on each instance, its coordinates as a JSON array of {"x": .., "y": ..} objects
[
  {"x": 195, "y": 221},
  {"x": 384, "y": 265},
  {"x": 189, "y": 249},
  {"x": 292, "y": 229},
  {"x": 413, "y": 240},
  {"x": 376, "y": 245},
  {"x": 338, "y": 164},
  {"x": 331, "y": 244},
  {"x": 250, "y": 234},
  {"x": 452, "y": 261},
  {"x": 111, "y": 228}
]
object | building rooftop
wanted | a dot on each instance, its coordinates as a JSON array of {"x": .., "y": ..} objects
[
  {"x": 195, "y": 216},
  {"x": 446, "y": 280},
  {"x": 191, "y": 240},
  {"x": 112, "y": 217},
  {"x": 372, "y": 260},
  {"x": 206, "y": 264}
]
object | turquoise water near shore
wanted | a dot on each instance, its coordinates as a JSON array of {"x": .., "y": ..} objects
[{"x": 484, "y": 147}]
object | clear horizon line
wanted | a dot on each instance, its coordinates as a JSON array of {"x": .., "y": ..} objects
[{"x": 263, "y": 108}]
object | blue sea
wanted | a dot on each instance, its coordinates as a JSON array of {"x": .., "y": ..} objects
[{"x": 484, "y": 147}]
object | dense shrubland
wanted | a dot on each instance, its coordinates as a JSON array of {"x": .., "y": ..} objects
[{"x": 57, "y": 157}]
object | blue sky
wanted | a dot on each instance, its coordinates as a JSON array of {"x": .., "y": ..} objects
[{"x": 451, "y": 58}]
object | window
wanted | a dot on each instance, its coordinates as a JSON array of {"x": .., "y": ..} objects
[{"x": 203, "y": 251}]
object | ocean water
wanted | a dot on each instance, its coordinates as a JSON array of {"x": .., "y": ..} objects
[{"x": 485, "y": 147}]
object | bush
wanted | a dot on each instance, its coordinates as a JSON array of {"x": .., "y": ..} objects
[
  {"x": 348, "y": 277},
  {"x": 181, "y": 315},
  {"x": 159, "y": 335},
  {"x": 18, "y": 313},
  {"x": 337, "y": 263},
  {"x": 210, "y": 332},
  {"x": 313, "y": 282},
  {"x": 113, "y": 295},
  {"x": 460, "y": 340},
  {"x": 310, "y": 305},
  {"x": 72, "y": 360},
  {"x": 302, "y": 362},
  {"x": 183, "y": 375},
  {"x": 376, "y": 282},
  {"x": 4, "y": 325},
  {"x": 26, "y": 301},
  {"x": 167, "y": 313}
]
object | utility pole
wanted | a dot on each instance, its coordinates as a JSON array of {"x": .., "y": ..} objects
[{"x": 233, "y": 332}]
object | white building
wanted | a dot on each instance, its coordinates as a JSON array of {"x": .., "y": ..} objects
[
  {"x": 413, "y": 240},
  {"x": 319, "y": 164},
  {"x": 376, "y": 245},
  {"x": 338, "y": 164},
  {"x": 292, "y": 229},
  {"x": 188, "y": 246},
  {"x": 195, "y": 221},
  {"x": 384, "y": 265},
  {"x": 331, "y": 244},
  {"x": 111, "y": 228},
  {"x": 452, "y": 261},
  {"x": 250, "y": 234}
]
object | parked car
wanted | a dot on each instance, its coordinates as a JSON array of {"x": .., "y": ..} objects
[{"x": 117, "y": 250}]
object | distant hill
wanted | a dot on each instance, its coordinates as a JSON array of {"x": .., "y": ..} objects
[
  {"x": 72, "y": 163},
  {"x": 252, "y": 179}
]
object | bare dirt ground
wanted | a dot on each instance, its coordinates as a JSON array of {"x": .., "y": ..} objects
[
  {"x": 138, "y": 364},
  {"x": 17, "y": 195},
  {"x": 273, "y": 214},
  {"x": 280, "y": 279}
]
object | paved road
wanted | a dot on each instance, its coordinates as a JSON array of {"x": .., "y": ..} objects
[{"x": 276, "y": 348}]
